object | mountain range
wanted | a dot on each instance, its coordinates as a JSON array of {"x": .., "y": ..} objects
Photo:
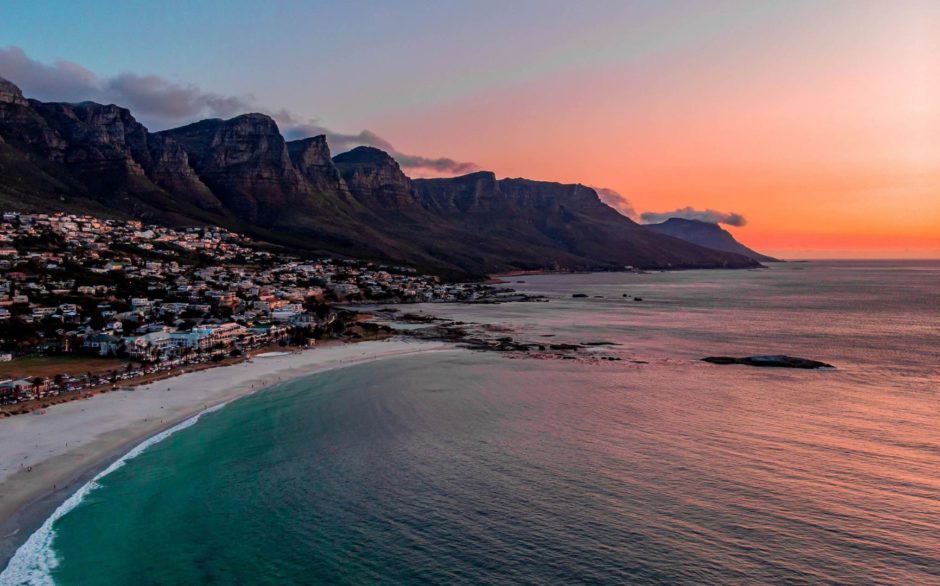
[{"x": 242, "y": 174}]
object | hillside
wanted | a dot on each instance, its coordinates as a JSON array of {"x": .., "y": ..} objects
[
  {"x": 241, "y": 174},
  {"x": 708, "y": 235}
]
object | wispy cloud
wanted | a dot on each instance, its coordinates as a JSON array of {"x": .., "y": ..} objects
[
  {"x": 690, "y": 213},
  {"x": 161, "y": 103},
  {"x": 616, "y": 200},
  {"x": 340, "y": 142}
]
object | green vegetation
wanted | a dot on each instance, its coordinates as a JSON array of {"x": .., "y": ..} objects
[{"x": 49, "y": 366}]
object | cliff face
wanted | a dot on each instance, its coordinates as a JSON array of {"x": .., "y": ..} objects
[
  {"x": 311, "y": 157},
  {"x": 99, "y": 152},
  {"x": 469, "y": 196},
  {"x": 241, "y": 173},
  {"x": 169, "y": 168},
  {"x": 11, "y": 94},
  {"x": 97, "y": 139},
  {"x": 21, "y": 124},
  {"x": 244, "y": 161},
  {"x": 375, "y": 179},
  {"x": 708, "y": 235}
]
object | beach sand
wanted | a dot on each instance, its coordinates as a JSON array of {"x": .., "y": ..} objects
[{"x": 44, "y": 458}]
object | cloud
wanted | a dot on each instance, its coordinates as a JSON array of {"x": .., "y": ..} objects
[
  {"x": 339, "y": 142},
  {"x": 690, "y": 213},
  {"x": 616, "y": 201},
  {"x": 153, "y": 95},
  {"x": 156, "y": 101},
  {"x": 160, "y": 103},
  {"x": 440, "y": 165}
]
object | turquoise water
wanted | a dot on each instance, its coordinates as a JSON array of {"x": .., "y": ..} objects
[{"x": 460, "y": 467}]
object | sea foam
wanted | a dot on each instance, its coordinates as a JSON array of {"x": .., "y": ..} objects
[{"x": 35, "y": 560}]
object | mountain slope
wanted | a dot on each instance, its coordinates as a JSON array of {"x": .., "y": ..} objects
[
  {"x": 566, "y": 225},
  {"x": 242, "y": 174},
  {"x": 708, "y": 235}
]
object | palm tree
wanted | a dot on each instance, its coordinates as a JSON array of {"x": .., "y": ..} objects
[{"x": 37, "y": 382}]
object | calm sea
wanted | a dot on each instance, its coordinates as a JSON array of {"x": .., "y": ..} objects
[{"x": 473, "y": 468}]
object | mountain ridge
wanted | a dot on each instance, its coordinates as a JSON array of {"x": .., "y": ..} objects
[
  {"x": 242, "y": 174},
  {"x": 707, "y": 234}
]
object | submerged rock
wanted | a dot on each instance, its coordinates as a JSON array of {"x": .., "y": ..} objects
[
  {"x": 564, "y": 346},
  {"x": 779, "y": 361}
]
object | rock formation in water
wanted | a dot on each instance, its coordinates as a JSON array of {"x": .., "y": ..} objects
[{"x": 778, "y": 361}]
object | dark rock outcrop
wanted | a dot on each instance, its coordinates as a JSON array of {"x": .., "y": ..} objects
[
  {"x": 99, "y": 153},
  {"x": 169, "y": 168},
  {"x": 376, "y": 179},
  {"x": 11, "y": 94},
  {"x": 778, "y": 361},
  {"x": 311, "y": 157},
  {"x": 244, "y": 161},
  {"x": 97, "y": 139},
  {"x": 22, "y": 126}
]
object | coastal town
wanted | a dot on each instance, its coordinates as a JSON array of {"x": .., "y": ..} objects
[{"x": 93, "y": 302}]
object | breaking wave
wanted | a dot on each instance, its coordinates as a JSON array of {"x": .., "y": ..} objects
[{"x": 35, "y": 560}]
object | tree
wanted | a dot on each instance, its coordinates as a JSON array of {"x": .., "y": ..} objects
[
  {"x": 97, "y": 321},
  {"x": 37, "y": 383},
  {"x": 18, "y": 335}
]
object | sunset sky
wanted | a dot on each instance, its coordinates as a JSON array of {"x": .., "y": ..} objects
[{"x": 817, "y": 122}]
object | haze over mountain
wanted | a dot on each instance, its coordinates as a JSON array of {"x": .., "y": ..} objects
[
  {"x": 240, "y": 173},
  {"x": 707, "y": 234}
]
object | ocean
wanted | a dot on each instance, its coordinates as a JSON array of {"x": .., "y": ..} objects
[{"x": 463, "y": 467}]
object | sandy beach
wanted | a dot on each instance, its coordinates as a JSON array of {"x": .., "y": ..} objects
[{"x": 47, "y": 457}]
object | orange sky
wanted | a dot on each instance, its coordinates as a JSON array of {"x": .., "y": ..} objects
[
  {"x": 818, "y": 121},
  {"x": 822, "y": 129}
]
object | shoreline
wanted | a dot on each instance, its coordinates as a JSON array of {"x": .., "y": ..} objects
[{"x": 52, "y": 456}]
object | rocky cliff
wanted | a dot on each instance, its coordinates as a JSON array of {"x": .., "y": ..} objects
[
  {"x": 242, "y": 174},
  {"x": 11, "y": 94},
  {"x": 311, "y": 157},
  {"x": 376, "y": 179},
  {"x": 245, "y": 162}
]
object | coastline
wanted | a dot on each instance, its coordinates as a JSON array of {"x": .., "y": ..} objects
[{"x": 47, "y": 458}]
